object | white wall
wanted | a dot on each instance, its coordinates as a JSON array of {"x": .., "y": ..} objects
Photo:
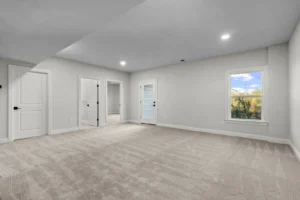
[
  {"x": 113, "y": 98},
  {"x": 294, "y": 78},
  {"x": 64, "y": 90},
  {"x": 193, "y": 94},
  {"x": 189, "y": 94}
]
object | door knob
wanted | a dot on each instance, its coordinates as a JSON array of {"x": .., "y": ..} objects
[
  {"x": 88, "y": 105},
  {"x": 16, "y": 108}
]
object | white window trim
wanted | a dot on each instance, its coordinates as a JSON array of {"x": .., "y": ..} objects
[{"x": 264, "y": 116}]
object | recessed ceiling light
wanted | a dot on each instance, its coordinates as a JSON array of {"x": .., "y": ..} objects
[
  {"x": 123, "y": 63},
  {"x": 225, "y": 36}
]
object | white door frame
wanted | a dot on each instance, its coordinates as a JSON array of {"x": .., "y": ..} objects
[
  {"x": 139, "y": 103},
  {"x": 121, "y": 99},
  {"x": 10, "y": 99},
  {"x": 80, "y": 77}
]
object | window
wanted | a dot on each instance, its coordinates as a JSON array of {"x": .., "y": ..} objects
[{"x": 247, "y": 95}]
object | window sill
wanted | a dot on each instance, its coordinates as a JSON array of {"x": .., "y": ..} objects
[{"x": 256, "y": 123}]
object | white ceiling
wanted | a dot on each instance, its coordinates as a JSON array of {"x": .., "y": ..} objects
[
  {"x": 162, "y": 32},
  {"x": 33, "y": 30}
]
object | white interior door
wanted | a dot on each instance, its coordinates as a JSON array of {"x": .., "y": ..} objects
[
  {"x": 148, "y": 102},
  {"x": 90, "y": 101},
  {"x": 29, "y": 92}
]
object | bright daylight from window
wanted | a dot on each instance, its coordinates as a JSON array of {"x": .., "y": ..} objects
[{"x": 246, "y": 96}]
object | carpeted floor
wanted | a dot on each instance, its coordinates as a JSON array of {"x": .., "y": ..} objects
[
  {"x": 131, "y": 162},
  {"x": 86, "y": 126},
  {"x": 113, "y": 119}
]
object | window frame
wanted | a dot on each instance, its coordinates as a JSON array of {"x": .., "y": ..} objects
[{"x": 264, "y": 96}]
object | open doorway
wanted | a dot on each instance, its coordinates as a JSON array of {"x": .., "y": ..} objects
[
  {"x": 113, "y": 102},
  {"x": 89, "y": 103}
]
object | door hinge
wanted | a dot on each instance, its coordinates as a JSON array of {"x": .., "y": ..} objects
[
  {"x": 0, "y": 86},
  {"x": 97, "y": 102},
  {"x": 97, "y": 85},
  {"x": 97, "y": 120}
]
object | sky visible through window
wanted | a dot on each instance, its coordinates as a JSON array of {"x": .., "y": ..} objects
[
  {"x": 246, "y": 96},
  {"x": 246, "y": 83}
]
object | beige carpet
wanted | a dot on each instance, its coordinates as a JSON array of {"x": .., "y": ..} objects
[
  {"x": 146, "y": 162},
  {"x": 86, "y": 126},
  {"x": 113, "y": 119}
]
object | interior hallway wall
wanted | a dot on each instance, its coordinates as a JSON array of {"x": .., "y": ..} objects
[
  {"x": 113, "y": 98},
  {"x": 294, "y": 83},
  {"x": 192, "y": 94}
]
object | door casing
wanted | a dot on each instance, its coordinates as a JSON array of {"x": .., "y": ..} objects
[{"x": 11, "y": 83}]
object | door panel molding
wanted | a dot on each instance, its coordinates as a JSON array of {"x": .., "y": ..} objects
[{"x": 48, "y": 73}]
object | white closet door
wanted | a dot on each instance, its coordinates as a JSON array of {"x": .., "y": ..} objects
[
  {"x": 29, "y": 90},
  {"x": 148, "y": 102},
  {"x": 92, "y": 99}
]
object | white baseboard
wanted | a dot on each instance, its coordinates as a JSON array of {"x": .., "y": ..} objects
[
  {"x": 84, "y": 121},
  {"x": 295, "y": 150},
  {"x": 121, "y": 122},
  {"x": 134, "y": 121},
  {"x": 64, "y": 130},
  {"x": 228, "y": 133},
  {"x": 233, "y": 134},
  {"x": 3, "y": 140}
]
